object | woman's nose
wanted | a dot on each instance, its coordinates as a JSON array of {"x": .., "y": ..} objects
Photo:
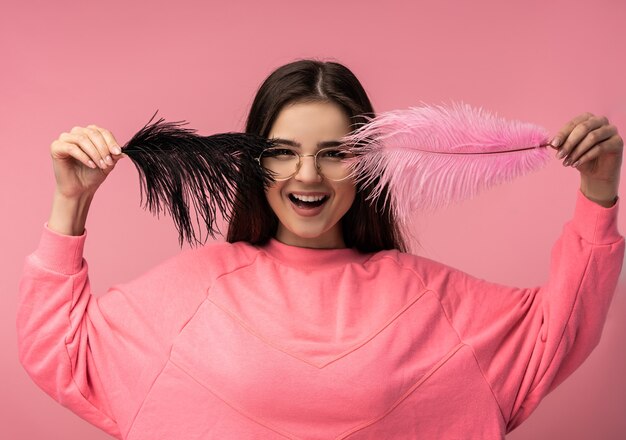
[{"x": 308, "y": 170}]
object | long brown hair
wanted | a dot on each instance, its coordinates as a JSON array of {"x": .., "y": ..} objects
[{"x": 365, "y": 226}]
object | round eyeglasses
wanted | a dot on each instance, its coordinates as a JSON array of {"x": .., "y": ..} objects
[{"x": 282, "y": 162}]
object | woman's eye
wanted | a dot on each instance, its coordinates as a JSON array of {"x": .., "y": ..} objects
[
  {"x": 337, "y": 154},
  {"x": 282, "y": 153}
]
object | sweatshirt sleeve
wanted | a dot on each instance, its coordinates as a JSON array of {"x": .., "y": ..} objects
[
  {"x": 52, "y": 325},
  {"x": 528, "y": 340},
  {"x": 98, "y": 355}
]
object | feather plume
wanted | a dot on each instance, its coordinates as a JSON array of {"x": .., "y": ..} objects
[
  {"x": 178, "y": 168},
  {"x": 428, "y": 157}
]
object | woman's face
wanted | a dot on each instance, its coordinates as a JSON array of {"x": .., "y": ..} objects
[{"x": 308, "y": 125}]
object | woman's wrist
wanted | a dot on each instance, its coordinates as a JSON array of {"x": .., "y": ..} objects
[
  {"x": 602, "y": 192},
  {"x": 69, "y": 214}
]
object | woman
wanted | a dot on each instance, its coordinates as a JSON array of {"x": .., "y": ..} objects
[{"x": 310, "y": 322}]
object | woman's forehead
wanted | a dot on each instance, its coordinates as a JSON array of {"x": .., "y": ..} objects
[{"x": 310, "y": 123}]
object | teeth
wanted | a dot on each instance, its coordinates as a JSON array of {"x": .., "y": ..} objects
[{"x": 308, "y": 198}]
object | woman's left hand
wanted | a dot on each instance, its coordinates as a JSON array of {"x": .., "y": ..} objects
[{"x": 594, "y": 147}]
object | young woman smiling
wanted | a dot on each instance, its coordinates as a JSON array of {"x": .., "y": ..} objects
[{"x": 311, "y": 321}]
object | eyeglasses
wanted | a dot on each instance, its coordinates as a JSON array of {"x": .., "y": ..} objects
[{"x": 282, "y": 162}]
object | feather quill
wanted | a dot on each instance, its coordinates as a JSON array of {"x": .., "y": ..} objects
[
  {"x": 179, "y": 168},
  {"x": 430, "y": 156}
]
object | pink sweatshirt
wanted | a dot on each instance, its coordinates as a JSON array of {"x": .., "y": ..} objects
[{"x": 234, "y": 341}]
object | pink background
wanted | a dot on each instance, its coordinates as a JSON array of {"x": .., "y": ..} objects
[{"x": 114, "y": 63}]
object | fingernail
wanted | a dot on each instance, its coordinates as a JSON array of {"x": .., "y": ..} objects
[
  {"x": 555, "y": 142},
  {"x": 117, "y": 150},
  {"x": 561, "y": 154},
  {"x": 566, "y": 162},
  {"x": 575, "y": 164},
  {"x": 108, "y": 159}
]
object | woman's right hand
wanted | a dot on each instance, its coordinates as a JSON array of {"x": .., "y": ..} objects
[{"x": 82, "y": 159}]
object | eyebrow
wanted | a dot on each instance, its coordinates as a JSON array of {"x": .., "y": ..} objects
[{"x": 292, "y": 143}]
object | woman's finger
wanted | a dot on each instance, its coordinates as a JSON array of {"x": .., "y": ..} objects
[
  {"x": 112, "y": 143},
  {"x": 82, "y": 140},
  {"x": 560, "y": 137},
  {"x": 74, "y": 151},
  {"x": 578, "y": 133},
  {"x": 596, "y": 151},
  {"x": 592, "y": 138},
  {"x": 101, "y": 144}
]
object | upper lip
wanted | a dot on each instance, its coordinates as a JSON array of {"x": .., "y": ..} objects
[{"x": 302, "y": 193}]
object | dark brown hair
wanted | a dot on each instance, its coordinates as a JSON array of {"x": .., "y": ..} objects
[{"x": 365, "y": 226}]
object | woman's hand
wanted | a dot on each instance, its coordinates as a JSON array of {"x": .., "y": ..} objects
[
  {"x": 594, "y": 147},
  {"x": 82, "y": 159}
]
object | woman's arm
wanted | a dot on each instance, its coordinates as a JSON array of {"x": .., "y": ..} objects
[{"x": 54, "y": 299}]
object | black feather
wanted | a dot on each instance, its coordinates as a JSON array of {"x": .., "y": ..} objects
[{"x": 178, "y": 167}]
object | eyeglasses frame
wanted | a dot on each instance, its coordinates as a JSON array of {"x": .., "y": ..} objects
[{"x": 300, "y": 156}]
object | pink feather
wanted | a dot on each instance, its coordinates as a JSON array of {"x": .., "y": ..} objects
[{"x": 431, "y": 156}]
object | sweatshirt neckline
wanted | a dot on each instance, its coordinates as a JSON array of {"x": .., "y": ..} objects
[{"x": 312, "y": 258}]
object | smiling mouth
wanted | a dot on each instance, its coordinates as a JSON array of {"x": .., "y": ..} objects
[{"x": 307, "y": 205}]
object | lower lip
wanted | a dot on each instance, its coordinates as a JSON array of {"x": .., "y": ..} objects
[{"x": 308, "y": 212}]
